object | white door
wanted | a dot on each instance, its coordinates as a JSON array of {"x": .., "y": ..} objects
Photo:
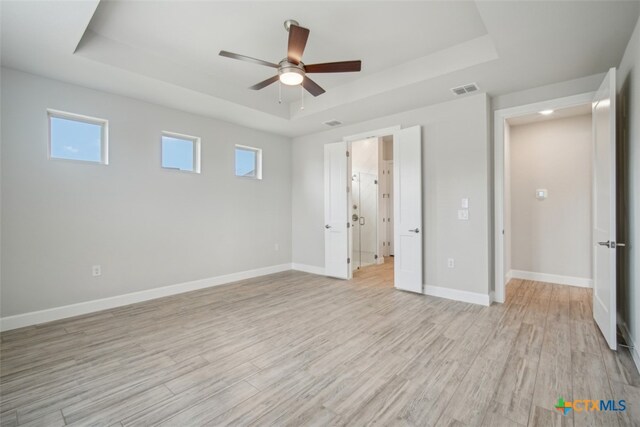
[
  {"x": 336, "y": 236},
  {"x": 604, "y": 208},
  {"x": 407, "y": 203}
]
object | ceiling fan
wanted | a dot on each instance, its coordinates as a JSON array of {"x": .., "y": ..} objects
[{"x": 291, "y": 70}]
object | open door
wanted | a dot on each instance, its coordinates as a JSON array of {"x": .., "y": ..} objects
[
  {"x": 336, "y": 231},
  {"x": 604, "y": 208},
  {"x": 407, "y": 188}
]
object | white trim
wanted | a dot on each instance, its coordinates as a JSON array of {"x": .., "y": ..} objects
[
  {"x": 104, "y": 134},
  {"x": 257, "y": 164},
  {"x": 582, "y": 282},
  {"x": 500, "y": 116},
  {"x": 635, "y": 354},
  {"x": 56, "y": 313},
  {"x": 308, "y": 268},
  {"x": 195, "y": 140},
  {"x": 372, "y": 134},
  {"x": 458, "y": 295},
  {"x": 508, "y": 276}
]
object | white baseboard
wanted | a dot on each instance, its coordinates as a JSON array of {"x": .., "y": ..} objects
[
  {"x": 508, "y": 276},
  {"x": 582, "y": 282},
  {"x": 57, "y": 313},
  {"x": 635, "y": 354},
  {"x": 458, "y": 295},
  {"x": 308, "y": 268}
]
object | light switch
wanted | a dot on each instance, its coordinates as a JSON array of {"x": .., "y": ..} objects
[
  {"x": 541, "y": 193},
  {"x": 464, "y": 203},
  {"x": 463, "y": 214}
]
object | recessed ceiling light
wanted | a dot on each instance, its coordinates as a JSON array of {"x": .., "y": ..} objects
[{"x": 546, "y": 112}]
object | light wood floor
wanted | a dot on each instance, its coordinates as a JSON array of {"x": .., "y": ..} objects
[{"x": 298, "y": 349}]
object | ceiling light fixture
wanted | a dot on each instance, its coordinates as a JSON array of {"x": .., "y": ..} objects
[
  {"x": 291, "y": 75},
  {"x": 546, "y": 112}
]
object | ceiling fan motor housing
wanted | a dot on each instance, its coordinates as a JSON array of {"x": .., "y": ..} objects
[{"x": 289, "y": 22}]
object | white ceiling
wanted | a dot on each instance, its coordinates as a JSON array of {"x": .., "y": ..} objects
[
  {"x": 562, "y": 113},
  {"x": 412, "y": 52}
]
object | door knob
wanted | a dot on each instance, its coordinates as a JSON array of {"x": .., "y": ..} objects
[
  {"x": 616, "y": 244},
  {"x": 327, "y": 226},
  {"x": 611, "y": 244},
  {"x": 415, "y": 230}
]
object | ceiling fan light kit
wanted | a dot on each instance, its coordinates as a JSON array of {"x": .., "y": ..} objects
[
  {"x": 291, "y": 70},
  {"x": 291, "y": 74}
]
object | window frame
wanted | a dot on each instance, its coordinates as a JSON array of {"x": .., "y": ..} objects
[
  {"x": 104, "y": 135},
  {"x": 258, "y": 163},
  {"x": 195, "y": 140}
]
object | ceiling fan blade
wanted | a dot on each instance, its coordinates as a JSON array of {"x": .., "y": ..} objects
[
  {"x": 312, "y": 87},
  {"x": 334, "y": 67},
  {"x": 265, "y": 83},
  {"x": 247, "y": 59},
  {"x": 297, "y": 41}
]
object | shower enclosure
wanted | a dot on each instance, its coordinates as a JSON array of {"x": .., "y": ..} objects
[{"x": 364, "y": 219}]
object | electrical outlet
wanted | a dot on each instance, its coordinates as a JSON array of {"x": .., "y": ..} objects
[
  {"x": 450, "y": 263},
  {"x": 276, "y": 247},
  {"x": 96, "y": 271}
]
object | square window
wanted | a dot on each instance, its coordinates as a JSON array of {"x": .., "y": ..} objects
[
  {"x": 76, "y": 137},
  {"x": 248, "y": 162},
  {"x": 180, "y": 152}
]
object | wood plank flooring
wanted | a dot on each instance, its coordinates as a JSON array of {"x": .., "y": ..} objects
[{"x": 297, "y": 349}]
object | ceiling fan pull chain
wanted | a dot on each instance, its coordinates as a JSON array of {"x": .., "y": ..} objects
[
  {"x": 279, "y": 92},
  {"x": 301, "y": 97}
]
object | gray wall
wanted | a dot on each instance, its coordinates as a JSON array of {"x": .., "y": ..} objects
[
  {"x": 552, "y": 236},
  {"x": 146, "y": 226},
  {"x": 455, "y": 165},
  {"x": 629, "y": 134}
]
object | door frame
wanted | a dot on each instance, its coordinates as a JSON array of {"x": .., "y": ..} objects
[
  {"x": 500, "y": 118},
  {"x": 371, "y": 134},
  {"x": 378, "y": 133}
]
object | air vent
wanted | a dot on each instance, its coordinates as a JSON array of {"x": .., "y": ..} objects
[
  {"x": 332, "y": 123},
  {"x": 468, "y": 88}
]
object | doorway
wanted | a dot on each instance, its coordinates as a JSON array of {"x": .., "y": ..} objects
[
  {"x": 502, "y": 226},
  {"x": 371, "y": 202},
  {"x": 604, "y": 208},
  {"x": 406, "y": 198},
  {"x": 548, "y": 179}
]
